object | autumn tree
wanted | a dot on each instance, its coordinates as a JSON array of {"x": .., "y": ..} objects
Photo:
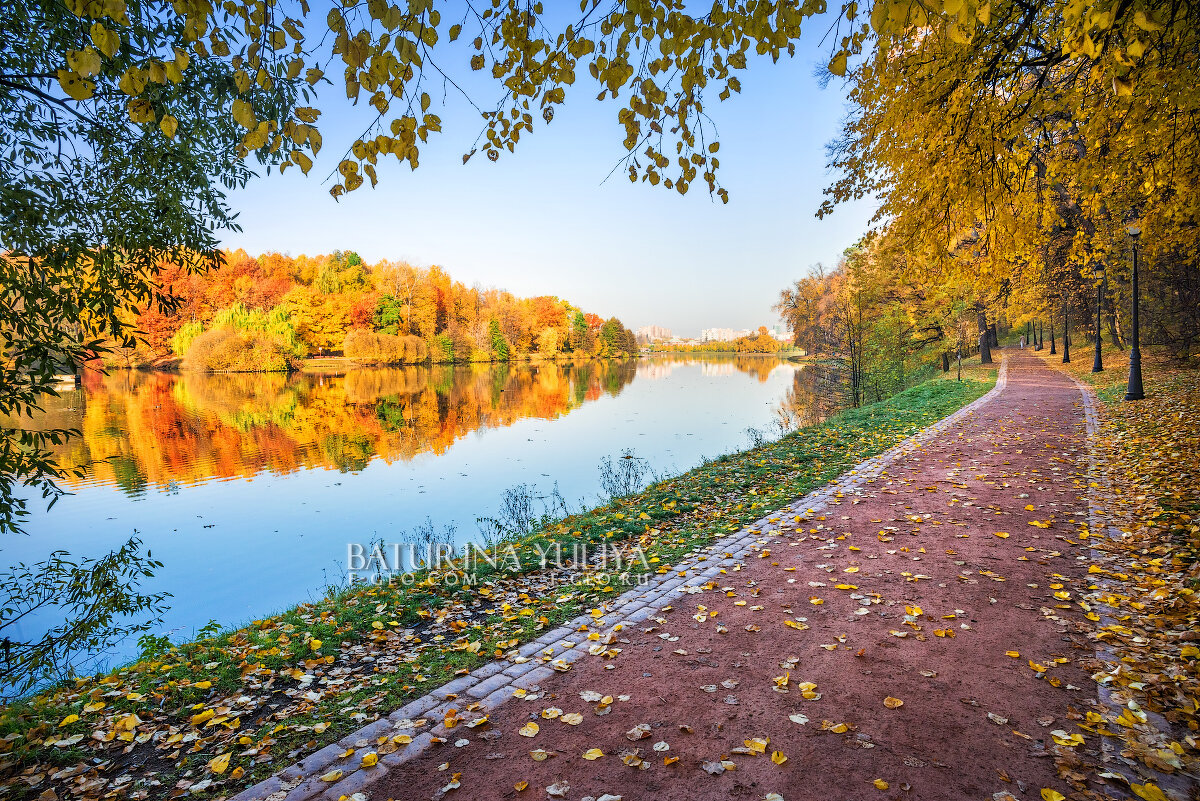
[{"x": 1010, "y": 141}]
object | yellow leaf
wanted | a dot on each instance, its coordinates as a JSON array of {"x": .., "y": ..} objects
[
  {"x": 892, "y": 703},
  {"x": 243, "y": 114},
  {"x": 68, "y": 720},
  {"x": 220, "y": 764},
  {"x": 370, "y": 760},
  {"x": 1052, "y": 795},
  {"x": 592, "y": 753},
  {"x": 1148, "y": 791},
  {"x": 200, "y": 685},
  {"x": 86, "y": 62},
  {"x": 133, "y": 82},
  {"x": 1002, "y": 535},
  {"x": 332, "y": 776},
  {"x": 1013, "y": 654},
  {"x": 1144, "y": 22},
  {"x": 778, "y": 758},
  {"x": 880, "y": 784},
  {"x": 838, "y": 65},
  {"x": 519, "y": 786},
  {"x": 528, "y": 730},
  {"x": 106, "y": 41},
  {"x": 75, "y": 85}
]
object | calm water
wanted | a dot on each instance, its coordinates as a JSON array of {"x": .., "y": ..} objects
[{"x": 249, "y": 487}]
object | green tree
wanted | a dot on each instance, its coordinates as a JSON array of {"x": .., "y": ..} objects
[
  {"x": 500, "y": 349},
  {"x": 579, "y": 332}
]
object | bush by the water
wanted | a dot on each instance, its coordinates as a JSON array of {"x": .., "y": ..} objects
[
  {"x": 370, "y": 347},
  {"x": 226, "y": 350}
]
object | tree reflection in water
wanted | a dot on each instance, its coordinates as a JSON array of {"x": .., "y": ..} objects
[{"x": 160, "y": 431}]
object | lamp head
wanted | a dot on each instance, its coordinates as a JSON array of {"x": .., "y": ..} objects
[{"x": 1133, "y": 231}]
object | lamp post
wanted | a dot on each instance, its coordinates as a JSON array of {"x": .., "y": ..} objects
[
  {"x": 1098, "y": 360},
  {"x": 1134, "y": 390}
]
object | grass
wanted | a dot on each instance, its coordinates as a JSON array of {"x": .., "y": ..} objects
[{"x": 269, "y": 693}]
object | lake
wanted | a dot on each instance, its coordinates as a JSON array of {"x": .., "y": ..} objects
[{"x": 249, "y": 487}]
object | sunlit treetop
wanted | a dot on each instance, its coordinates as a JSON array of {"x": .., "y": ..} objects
[
  {"x": 1005, "y": 140},
  {"x": 666, "y": 62}
]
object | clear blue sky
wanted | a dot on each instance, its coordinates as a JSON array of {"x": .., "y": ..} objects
[{"x": 545, "y": 221}]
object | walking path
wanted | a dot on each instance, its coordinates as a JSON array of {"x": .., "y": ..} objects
[{"x": 913, "y": 631}]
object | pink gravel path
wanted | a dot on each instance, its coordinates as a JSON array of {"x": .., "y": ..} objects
[{"x": 923, "y": 535}]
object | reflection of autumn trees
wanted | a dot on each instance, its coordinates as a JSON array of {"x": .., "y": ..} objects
[
  {"x": 818, "y": 390},
  {"x": 759, "y": 366},
  {"x": 143, "y": 430}
]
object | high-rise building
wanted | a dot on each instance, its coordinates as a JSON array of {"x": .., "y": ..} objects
[
  {"x": 653, "y": 333},
  {"x": 723, "y": 334}
]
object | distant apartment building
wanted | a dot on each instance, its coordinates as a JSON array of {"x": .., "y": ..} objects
[
  {"x": 723, "y": 334},
  {"x": 653, "y": 333}
]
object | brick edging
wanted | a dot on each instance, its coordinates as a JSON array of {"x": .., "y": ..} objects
[{"x": 493, "y": 683}]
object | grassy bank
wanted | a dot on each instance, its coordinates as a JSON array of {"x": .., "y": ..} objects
[{"x": 213, "y": 716}]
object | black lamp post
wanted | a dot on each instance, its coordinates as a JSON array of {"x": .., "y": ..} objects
[
  {"x": 1134, "y": 390},
  {"x": 1098, "y": 360}
]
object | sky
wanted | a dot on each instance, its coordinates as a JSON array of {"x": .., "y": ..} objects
[{"x": 545, "y": 221}]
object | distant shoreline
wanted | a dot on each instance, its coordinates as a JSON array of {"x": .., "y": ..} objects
[{"x": 337, "y": 364}]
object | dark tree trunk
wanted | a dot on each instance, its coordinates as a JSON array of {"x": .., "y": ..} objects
[
  {"x": 945, "y": 361},
  {"x": 1111, "y": 316},
  {"x": 995, "y": 336},
  {"x": 985, "y": 338},
  {"x": 1053, "y": 349},
  {"x": 1066, "y": 335}
]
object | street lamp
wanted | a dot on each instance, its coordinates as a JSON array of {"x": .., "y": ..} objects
[
  {"x": 1098, "y": 361},
  {"x": 1134, "y": 390}
]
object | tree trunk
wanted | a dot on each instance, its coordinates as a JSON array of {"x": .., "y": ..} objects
[
  {"x": 945, "y": 361},
  {"x": 985, "y": 338},
  {"x": 1111, "y": 315},
  {"x": 1053, "y": 349},
  {"x": 995, "y": 335},
  {"x": 1066, "y": 335}
]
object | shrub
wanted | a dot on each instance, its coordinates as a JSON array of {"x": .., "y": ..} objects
[
  {"x": 372, "y": 347},
  {"x": 226, "y": 350}
]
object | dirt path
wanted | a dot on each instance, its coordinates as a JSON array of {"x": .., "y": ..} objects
[{"x": 937, "y": 585}]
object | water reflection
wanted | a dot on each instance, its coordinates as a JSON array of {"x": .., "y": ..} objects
[
  {"x": 233, "y": 481},
  {"x": 161, "y": 430},
  {"x": 817, "y": 391},
  {"x": 143, "y": 430}
]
